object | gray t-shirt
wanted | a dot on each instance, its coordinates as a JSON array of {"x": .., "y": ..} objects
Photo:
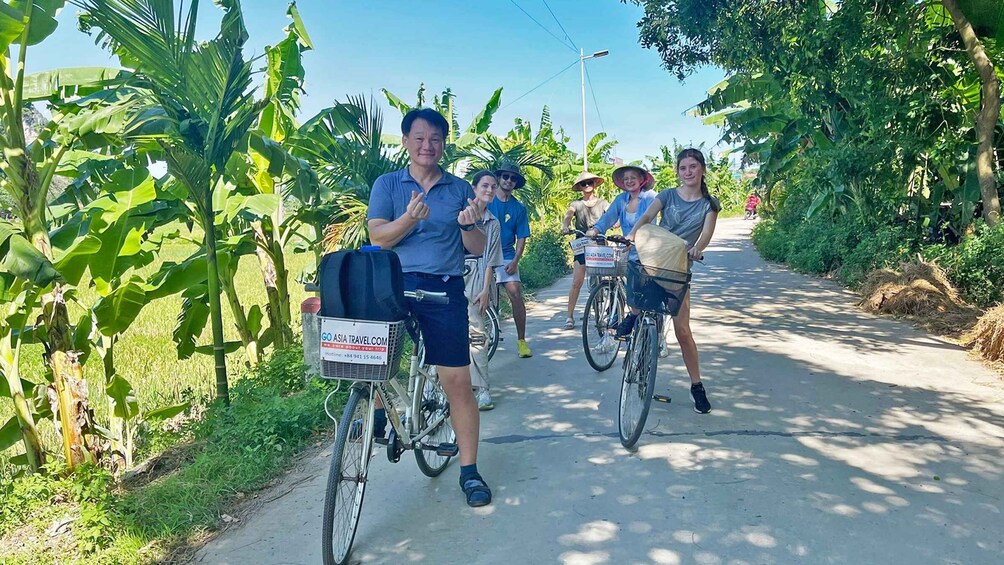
[
  {"x": 685, "y": 219},
  {"x": 586, "y": 216}
]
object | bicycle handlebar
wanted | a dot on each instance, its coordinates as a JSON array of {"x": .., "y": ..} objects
[
  {"x": 417, "y": 295},
  {"x": 615, "y": 239},
  {"x": 427, "y": 296},
  {"x": 599, "y": 238}
]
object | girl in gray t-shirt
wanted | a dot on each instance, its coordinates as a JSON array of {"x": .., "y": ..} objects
[{"x": 690, "y": 212}]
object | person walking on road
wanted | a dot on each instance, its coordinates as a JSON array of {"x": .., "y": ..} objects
[
  {"x": 479, "y": 284},
  {"x": 586, "y": 211},
  {"x": 428, "y": 216},
  {"x": 690, "y": 212},
  {"x": 515, "y": 230}
]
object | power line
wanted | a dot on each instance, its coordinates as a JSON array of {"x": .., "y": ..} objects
[
  {"x": 549, "y": 32},
  {"x": 559, "y": 24},
  {"x": 595, "y": 105},
  {"x": 549, "y": 79}
]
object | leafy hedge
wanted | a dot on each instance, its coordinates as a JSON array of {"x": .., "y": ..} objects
[
  {"x": 976, "y": 265},
  {"x": 547, "y": 257},
  {"x": 850, "y": 248}
]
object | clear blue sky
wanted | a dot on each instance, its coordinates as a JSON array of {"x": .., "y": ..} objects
[{"x": 473, "y": 47}]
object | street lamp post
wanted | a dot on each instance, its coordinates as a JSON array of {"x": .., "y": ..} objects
[{"x": 582, "y": 76}]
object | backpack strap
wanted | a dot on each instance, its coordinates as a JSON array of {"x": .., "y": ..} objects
[{"x": 331, "y": 270}]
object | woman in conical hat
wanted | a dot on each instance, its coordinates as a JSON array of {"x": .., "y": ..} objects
[
  {"x": 637, "y": 184},
  {"x": 586, "y": 211}
]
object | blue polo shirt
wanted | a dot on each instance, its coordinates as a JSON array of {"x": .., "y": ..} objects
[
  {"x": 514, "y": 222},
  {"x": 434, "y": 245},
  {"x": 617, "y": 212}
]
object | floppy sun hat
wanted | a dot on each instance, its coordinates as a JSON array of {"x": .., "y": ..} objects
[
  {"x": 647, "y": 184},
  {"x": 584, "y": 176},
  {"x": 511, "y": 169}
]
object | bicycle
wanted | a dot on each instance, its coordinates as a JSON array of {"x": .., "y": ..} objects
[
  {"x": 658, "y": 292},
  {"x": 492, "y": 329},
  {"x": 607, "y": 299},
  {"x": 425, "y": 427}
]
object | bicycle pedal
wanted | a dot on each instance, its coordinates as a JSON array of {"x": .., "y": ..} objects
[
  {"x": 394, "y": 447},
  {"x": 447, "y": 449},
  {"x": 661, "y": 398}
]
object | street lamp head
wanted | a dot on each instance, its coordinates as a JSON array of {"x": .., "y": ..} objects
[{"x": 603, "y": 53}]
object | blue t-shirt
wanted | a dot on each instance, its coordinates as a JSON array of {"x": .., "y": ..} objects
[
  {"x": 617, "y": 212},
  {"x": 514, "y": 222},
  {"x": 434, "y": 245}
]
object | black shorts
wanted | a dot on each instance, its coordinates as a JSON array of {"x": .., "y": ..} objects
[
  {"x": 581, "y": 259},
  {"x": 444, "y": 326}
]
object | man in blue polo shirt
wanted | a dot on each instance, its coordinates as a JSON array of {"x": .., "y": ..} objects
[
  {"x": 427, "y": 216},
  {"x": 515, "y": 229}
]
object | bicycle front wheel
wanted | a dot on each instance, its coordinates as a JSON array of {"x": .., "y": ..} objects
[
  {"x": 343, "y": 500},
  {"x": 638, "y": 384},
  {"x": 604, "y": 310},
  {"x": 433, "y": 407},
  {"x": 493, "y": 330}
]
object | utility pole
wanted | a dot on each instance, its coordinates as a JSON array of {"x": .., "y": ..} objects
[{"x": 582, "y": 81}]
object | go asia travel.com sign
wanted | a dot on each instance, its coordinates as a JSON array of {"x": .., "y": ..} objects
[{"x": 353, "y": 341}]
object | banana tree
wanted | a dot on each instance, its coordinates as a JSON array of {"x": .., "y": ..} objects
[
  {"x": 28, "y": 165},
  {"x": 273, "y": 171},
  {"x": 122, "y": 222},
  {"x": 201, "y": 107},
  {"x": 24, "y": 271}
]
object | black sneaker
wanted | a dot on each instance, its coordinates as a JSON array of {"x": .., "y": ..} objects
[
  {"x": 626, "y": 325},
  {"x": 701, "y": 404}
]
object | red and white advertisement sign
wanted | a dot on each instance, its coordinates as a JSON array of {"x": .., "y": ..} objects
[
  {"x": 579, "y": 245},
  {"x": 351, "y": 341},
  {"x": 597, "y": 256}
]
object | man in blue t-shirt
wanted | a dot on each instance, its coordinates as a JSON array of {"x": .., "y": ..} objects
[
  {"x": 427, "y": 216},
  {"x": 515, "y": 229}
]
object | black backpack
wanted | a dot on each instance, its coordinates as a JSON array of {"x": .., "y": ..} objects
[{"x": 362, "y": 285}]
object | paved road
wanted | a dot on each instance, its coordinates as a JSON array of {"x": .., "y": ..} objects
[{"x": 836, "y": 437}]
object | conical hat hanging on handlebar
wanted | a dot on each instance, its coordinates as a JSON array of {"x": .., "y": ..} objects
[{"x": 660, "y": 248}]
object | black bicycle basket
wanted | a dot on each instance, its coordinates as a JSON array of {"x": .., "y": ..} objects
[{"x": 658, "y": 290}]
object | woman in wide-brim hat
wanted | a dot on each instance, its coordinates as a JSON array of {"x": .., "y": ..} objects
[
  {"x": 586, "y": 211},
  {"x": 648, "y": 181},
  {"x": 509, "y": 170}
]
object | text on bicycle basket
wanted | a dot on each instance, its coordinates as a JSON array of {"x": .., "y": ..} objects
[{"x": 351, "y": 341}]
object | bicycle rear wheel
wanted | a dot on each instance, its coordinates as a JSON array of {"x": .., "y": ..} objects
[
  {"x": 604, "y": 310},
  {"x": 434, "y": 406},
  {"x": 487, "y": 340},
  {"x": 638, "y": 384},
  {"x": 343, "y": 499}
]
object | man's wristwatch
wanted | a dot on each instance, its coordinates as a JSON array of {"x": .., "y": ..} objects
[{"x": 467, "y": 227}]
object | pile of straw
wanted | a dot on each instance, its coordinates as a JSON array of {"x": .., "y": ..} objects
[
  {"x": 987, "y": 338},
  {"x": 920, "y": 291}
]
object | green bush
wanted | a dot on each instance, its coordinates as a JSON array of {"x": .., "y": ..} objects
[
  {"x": 976, "y": 265},
  {"x": 770, "y": 241},
  {"x": 846, "y": 247},
  {"x": 547, "y": 257},
  {"x": 234, "y": 449}
]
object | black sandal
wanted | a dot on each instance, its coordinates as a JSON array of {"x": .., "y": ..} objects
[{"x": 473, "y": 486}]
